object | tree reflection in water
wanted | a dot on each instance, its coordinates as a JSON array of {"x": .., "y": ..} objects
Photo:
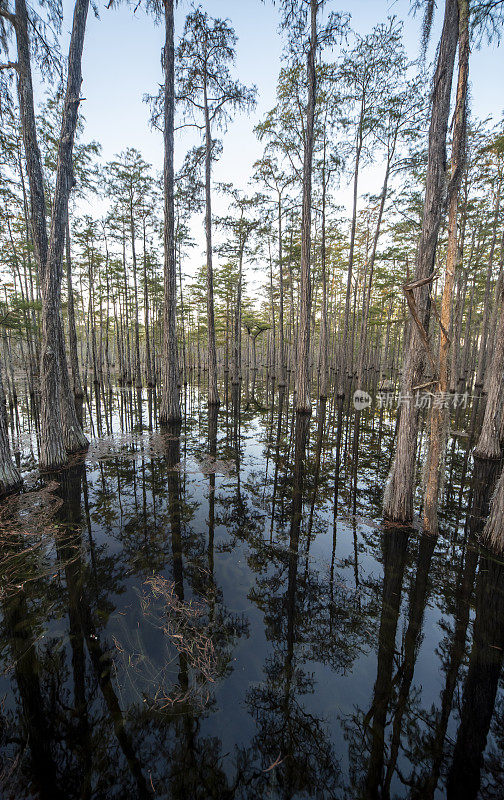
[{"x": 349, "y": 660}]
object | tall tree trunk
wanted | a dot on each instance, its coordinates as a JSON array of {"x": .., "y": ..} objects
[
  {"x": 170, "y": 401},
  {"x": 456, "y": 351},
  {"x": 213, "y": 391},
  {"x": 137, "y": 369},
  {"x": 372, "y": 259},
  {"x": 50, "y": 251},
  {"x": 439, "y": 412},
  {"x": 482, "y": 356},
  {"x": 30, "y": 142},
  {"x": 72, "y": 332},
  {"x": 281, "y": 352},
  {"x": 91, "y": 312},
  {"x": 489, "y": 444},
  {"x": 344, "y": 356},
  {"x": 237, "y": 324},
  {"x": 182, "y": 318},
  {"x": 52, "y": 448},
  {"x": 148, "y": 360},
  {"x": 398, "y": 499},
  {"x": 324, "y": 332},
  {"x": 461, "y": 289},
  {"x": 303, "y": 402},
  {"x": 127, "y": 360},
  {"x": 10, "y": 478}
]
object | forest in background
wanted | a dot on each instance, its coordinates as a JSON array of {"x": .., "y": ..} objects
[{"x": 406, "y": 294}]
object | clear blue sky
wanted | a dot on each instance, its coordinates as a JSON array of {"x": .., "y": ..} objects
[{"x": 122, "y": 63}]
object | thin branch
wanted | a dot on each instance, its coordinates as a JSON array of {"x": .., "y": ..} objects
[
  {"x": 8, "y": 16},
  {"x": 410, "y": 298}
]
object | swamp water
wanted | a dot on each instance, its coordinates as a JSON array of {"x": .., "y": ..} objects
[{"x": 218, "y": 611}]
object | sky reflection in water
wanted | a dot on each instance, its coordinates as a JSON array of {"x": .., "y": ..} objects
[{"x": 185, "y": 616}]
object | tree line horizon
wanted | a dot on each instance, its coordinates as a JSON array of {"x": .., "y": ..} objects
[{"x": 406, "y": 292}]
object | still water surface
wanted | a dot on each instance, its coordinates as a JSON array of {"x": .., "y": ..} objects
[{"x": 217, "y": 611}]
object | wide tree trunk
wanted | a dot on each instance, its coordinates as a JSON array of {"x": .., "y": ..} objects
[
  {"x": 49, "y": 252},
  {"x": 51, "y": 443},
  {"x": 398, "y": 498},
  {"x": 493, "y": 532}
]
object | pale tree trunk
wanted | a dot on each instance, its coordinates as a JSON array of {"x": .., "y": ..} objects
[
  {"x": 272, "y": 301},
  {"x": 343, "y": 361},
  {"x": 74, "y": 438},
  {"x": 127, "y": 359},
  {"x": 237, "y": 325},
  {"x": 303, "y": 402},
  {"x": 213, "y": 391},
  {"x": 372, "y": 259},
  {"x": 456, "y": 350},
  {"x": 398, "y": 498},
  {"x": 182, "y": 318},
  {"x": 10, "y": 477},
  {"x": 465, "y": 361},
  {"x": 91, "y": 314},
  {"x": 324, "y": 333},
  {"x": 137, "y": 368},
  {"x": 439, "y": 412},
  {"x": 482, "y": 356},
  {"x": 460, "y": 289},
  {"x": 170, "y": 401},
  {"x": 148, "y": 361},
  {"x": 72, "y": 332},
  {"x": 281, "y": 353}
]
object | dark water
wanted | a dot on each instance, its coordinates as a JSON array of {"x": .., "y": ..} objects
[{"x": 217, "y": 611}]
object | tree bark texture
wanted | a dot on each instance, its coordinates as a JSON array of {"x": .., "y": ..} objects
[
  {"x": 303, "y": 401},
  {"x": 439, "y": 412},
  {"x": 399, "y": 491}
]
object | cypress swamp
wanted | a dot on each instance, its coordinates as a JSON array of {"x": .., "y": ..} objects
[{"x": 251, "y": 400}]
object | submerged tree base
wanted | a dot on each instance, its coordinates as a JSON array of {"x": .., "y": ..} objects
[
  {"x": 10, "y": 480},
  {"x": 493, "y": 532}
]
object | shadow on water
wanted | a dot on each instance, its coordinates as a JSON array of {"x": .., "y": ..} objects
[{"x": 214, "y": 610}]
